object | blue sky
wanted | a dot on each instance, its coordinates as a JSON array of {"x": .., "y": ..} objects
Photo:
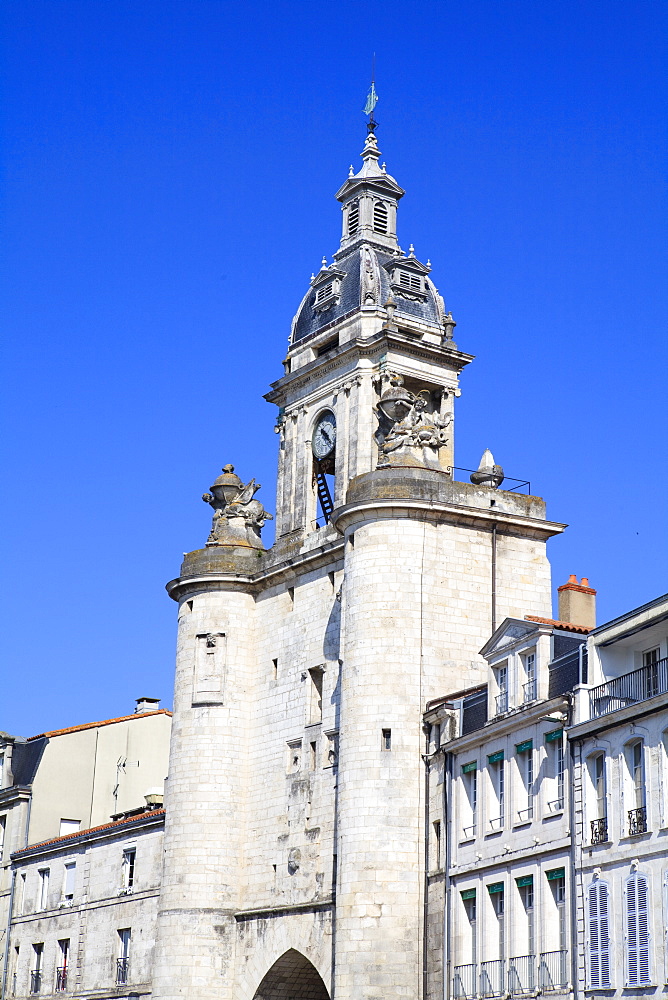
[{"x": 167, "y": 189}]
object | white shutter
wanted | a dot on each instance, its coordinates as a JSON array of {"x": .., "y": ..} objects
[
  {"x": 637, "y": 929},
  {"x": 599, "y": 936}
]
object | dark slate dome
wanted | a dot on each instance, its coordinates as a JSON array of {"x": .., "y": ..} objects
[{"x": 310, "y": 320}]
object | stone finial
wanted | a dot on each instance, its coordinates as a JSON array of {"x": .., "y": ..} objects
[
  {"x": 411, "y": 251},
  {"x": 238, "y": 518},
  {"x": 449, "y": 326},
  {"x": 488, "y": 473}
]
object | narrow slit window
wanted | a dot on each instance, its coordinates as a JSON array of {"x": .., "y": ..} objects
[{"x": 387, "y": 739}]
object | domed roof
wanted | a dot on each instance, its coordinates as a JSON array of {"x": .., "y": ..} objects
[{"x": 398, "y": 276}]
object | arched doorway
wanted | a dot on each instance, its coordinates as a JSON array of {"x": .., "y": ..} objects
[{"x": 292, "y": 977}]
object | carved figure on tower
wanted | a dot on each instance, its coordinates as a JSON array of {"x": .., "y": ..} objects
[
  {"x": 408, "y": 433},
  {"x": 238, "y": 518}
]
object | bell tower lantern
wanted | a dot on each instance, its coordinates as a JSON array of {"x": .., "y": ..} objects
[{"x": 371, "y": 321}]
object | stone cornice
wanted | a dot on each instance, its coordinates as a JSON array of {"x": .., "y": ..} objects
[
  {"x": 287, "y": 908},
  {"x": 442, "y": 512}
]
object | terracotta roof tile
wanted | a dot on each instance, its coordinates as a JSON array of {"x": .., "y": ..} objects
[
  {"x": 93, "y": 829},
  {"x": 95, "y": 725},
  {"x": 565, "y": 626}
]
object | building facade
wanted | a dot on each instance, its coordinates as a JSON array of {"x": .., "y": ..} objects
[
  {"x": 619, "y": 747},
  {"x": 296, "y": 803}
]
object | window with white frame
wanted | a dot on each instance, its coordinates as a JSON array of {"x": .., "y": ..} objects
[
  {"x": 123, "y": 960},
  {"x": 497, "y": 898},
  {"x": 43, "y": 888},
  {"x": 530, "y": 687},
  {"x": 501, "y": 677},
  {"x": 554, "y": 743},
  {"x": 528, "y": 930},
  {"x": 3, "y": 833},
  {"x": 128, "y": 868},
  {"x": 650, "y": 662},
  {"x": 469, "y": 800},
  {"x": 636, "y": 808},
  {"x": 598, "y": 806},
  {"x": 497, "y": 784},
  {"x": 69, "y": 879},
  {"x": 525, "y": 765},
  {"x": 637, "y": 931},
  {"x": 598, "y": 935},
  {"x": 465, "y": 973}
]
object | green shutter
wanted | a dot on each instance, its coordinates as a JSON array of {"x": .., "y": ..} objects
[
  {"x": 556, "y": 734},
  {"x": 495, "y": 887},
  {"x": 466, "y": 768},
  {"x": 524, "y": 881},
  {"x": 493, "y": 758},
  {"x": 524, "y": 747},
  {"x": 467, "y": 893},
  {"x": 555, "y": 873}
]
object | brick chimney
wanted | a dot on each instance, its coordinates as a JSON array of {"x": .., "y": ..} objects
[{"x": 577, "y": 602}]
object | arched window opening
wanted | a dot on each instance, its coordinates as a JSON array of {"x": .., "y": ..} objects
[
  {"x": 598, "y": 816},
  {"x": 598, "y": 924},
  {"x": 292, "y": 977},
  {"x": 380, "y": 218},
  {"x": 637, "y": 931},
  {"x": 353, "y": 218},
  {"x": 637, "y": 805}
]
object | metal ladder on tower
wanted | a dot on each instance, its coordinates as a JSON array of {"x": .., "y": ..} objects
[{"x": 324, "y": 496}]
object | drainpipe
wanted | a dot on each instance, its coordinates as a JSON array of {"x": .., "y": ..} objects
[
  {"x": 425, "y": 902},
  {"x": 494, "y": 577},
  {"x": 5, "y": 965},
  {"x": 571, "y": 823},
  {"x": 447, "y": 827}
]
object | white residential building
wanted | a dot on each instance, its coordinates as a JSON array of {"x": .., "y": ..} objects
[{"x": 619, "y": 745}]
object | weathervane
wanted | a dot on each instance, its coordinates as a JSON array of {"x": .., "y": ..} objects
[{"x": 372, "y": 99}]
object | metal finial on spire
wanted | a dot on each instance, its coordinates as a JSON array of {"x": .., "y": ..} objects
[{"x": 371, "y": 99}]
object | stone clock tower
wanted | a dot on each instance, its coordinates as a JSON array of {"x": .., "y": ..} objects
[{"x": 295, "y": 851}]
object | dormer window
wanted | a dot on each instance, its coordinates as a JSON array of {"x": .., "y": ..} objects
[
  {"x": 412, "y": 281},
  {"x": 327, "y": 289},
  {"x": 353, "y": 218},
  {"x": 380, "y": 218},
  {"x": 325, "y": 292}
]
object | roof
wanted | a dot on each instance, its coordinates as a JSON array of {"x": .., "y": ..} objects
[
  {"x": 96, "y": 725},
  {"x": 309, "y": 321},
  {"x": 82, "y": 834},
  {"x": 564, "y": 626}
]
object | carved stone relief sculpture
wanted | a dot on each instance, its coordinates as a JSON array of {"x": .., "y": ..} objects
[
  {"x": 369, "y": 277},
  {"x": 237, "y": 517},
  {"x": 409, "y": 434}
]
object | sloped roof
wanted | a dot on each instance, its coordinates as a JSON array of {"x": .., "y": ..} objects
[{"x": 96, "y": 725}]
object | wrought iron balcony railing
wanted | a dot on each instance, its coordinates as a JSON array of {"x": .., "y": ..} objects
[
  {"x": 530, "y": 691},
  {"x": 599, "y": 830},
  {"x": 122, "y": 971},
  {"x": 553, "y": 972},
  {"x": 35, "y": 982},
  {"x": 502, "y": 703},
  {"x": 522, "y": 975},
  {"x": 492, "y": 978},
  {"x": 638, "y": 685},
  {"x": 637, "y": 821},
  {"x": 61, "y": 980},
  {"x": 465, "y": 982}
]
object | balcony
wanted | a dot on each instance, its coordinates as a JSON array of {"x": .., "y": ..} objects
[
  {"x": 599, "y": 830},
  {"x": 629, "y": 689},
  {"x": 553, "y": 972},
  {"x": 61, "y": 980},
  {"x": 492, "y": 978},
  {"x": 529, "y": 689},
  {"x": 522, "y": 975},
  {"x": 122, "y": 971},
  {"x": 465, "y": 982},
  {"x": 35, "y": 981},
  {"x": 502, "y": 703},
  {"x": 637, "y": 821}
]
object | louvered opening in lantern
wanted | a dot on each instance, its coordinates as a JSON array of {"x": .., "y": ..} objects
[
  {"x": 353, "y": 218},
  {"x": 380, "y": 218}
]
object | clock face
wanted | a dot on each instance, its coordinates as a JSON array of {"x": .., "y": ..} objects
[{"x": 324, "y": 435}]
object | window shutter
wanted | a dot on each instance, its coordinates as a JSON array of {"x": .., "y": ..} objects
[
  {"x": 637, "y": 924},
  {"x": 599, "y": 941}
]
